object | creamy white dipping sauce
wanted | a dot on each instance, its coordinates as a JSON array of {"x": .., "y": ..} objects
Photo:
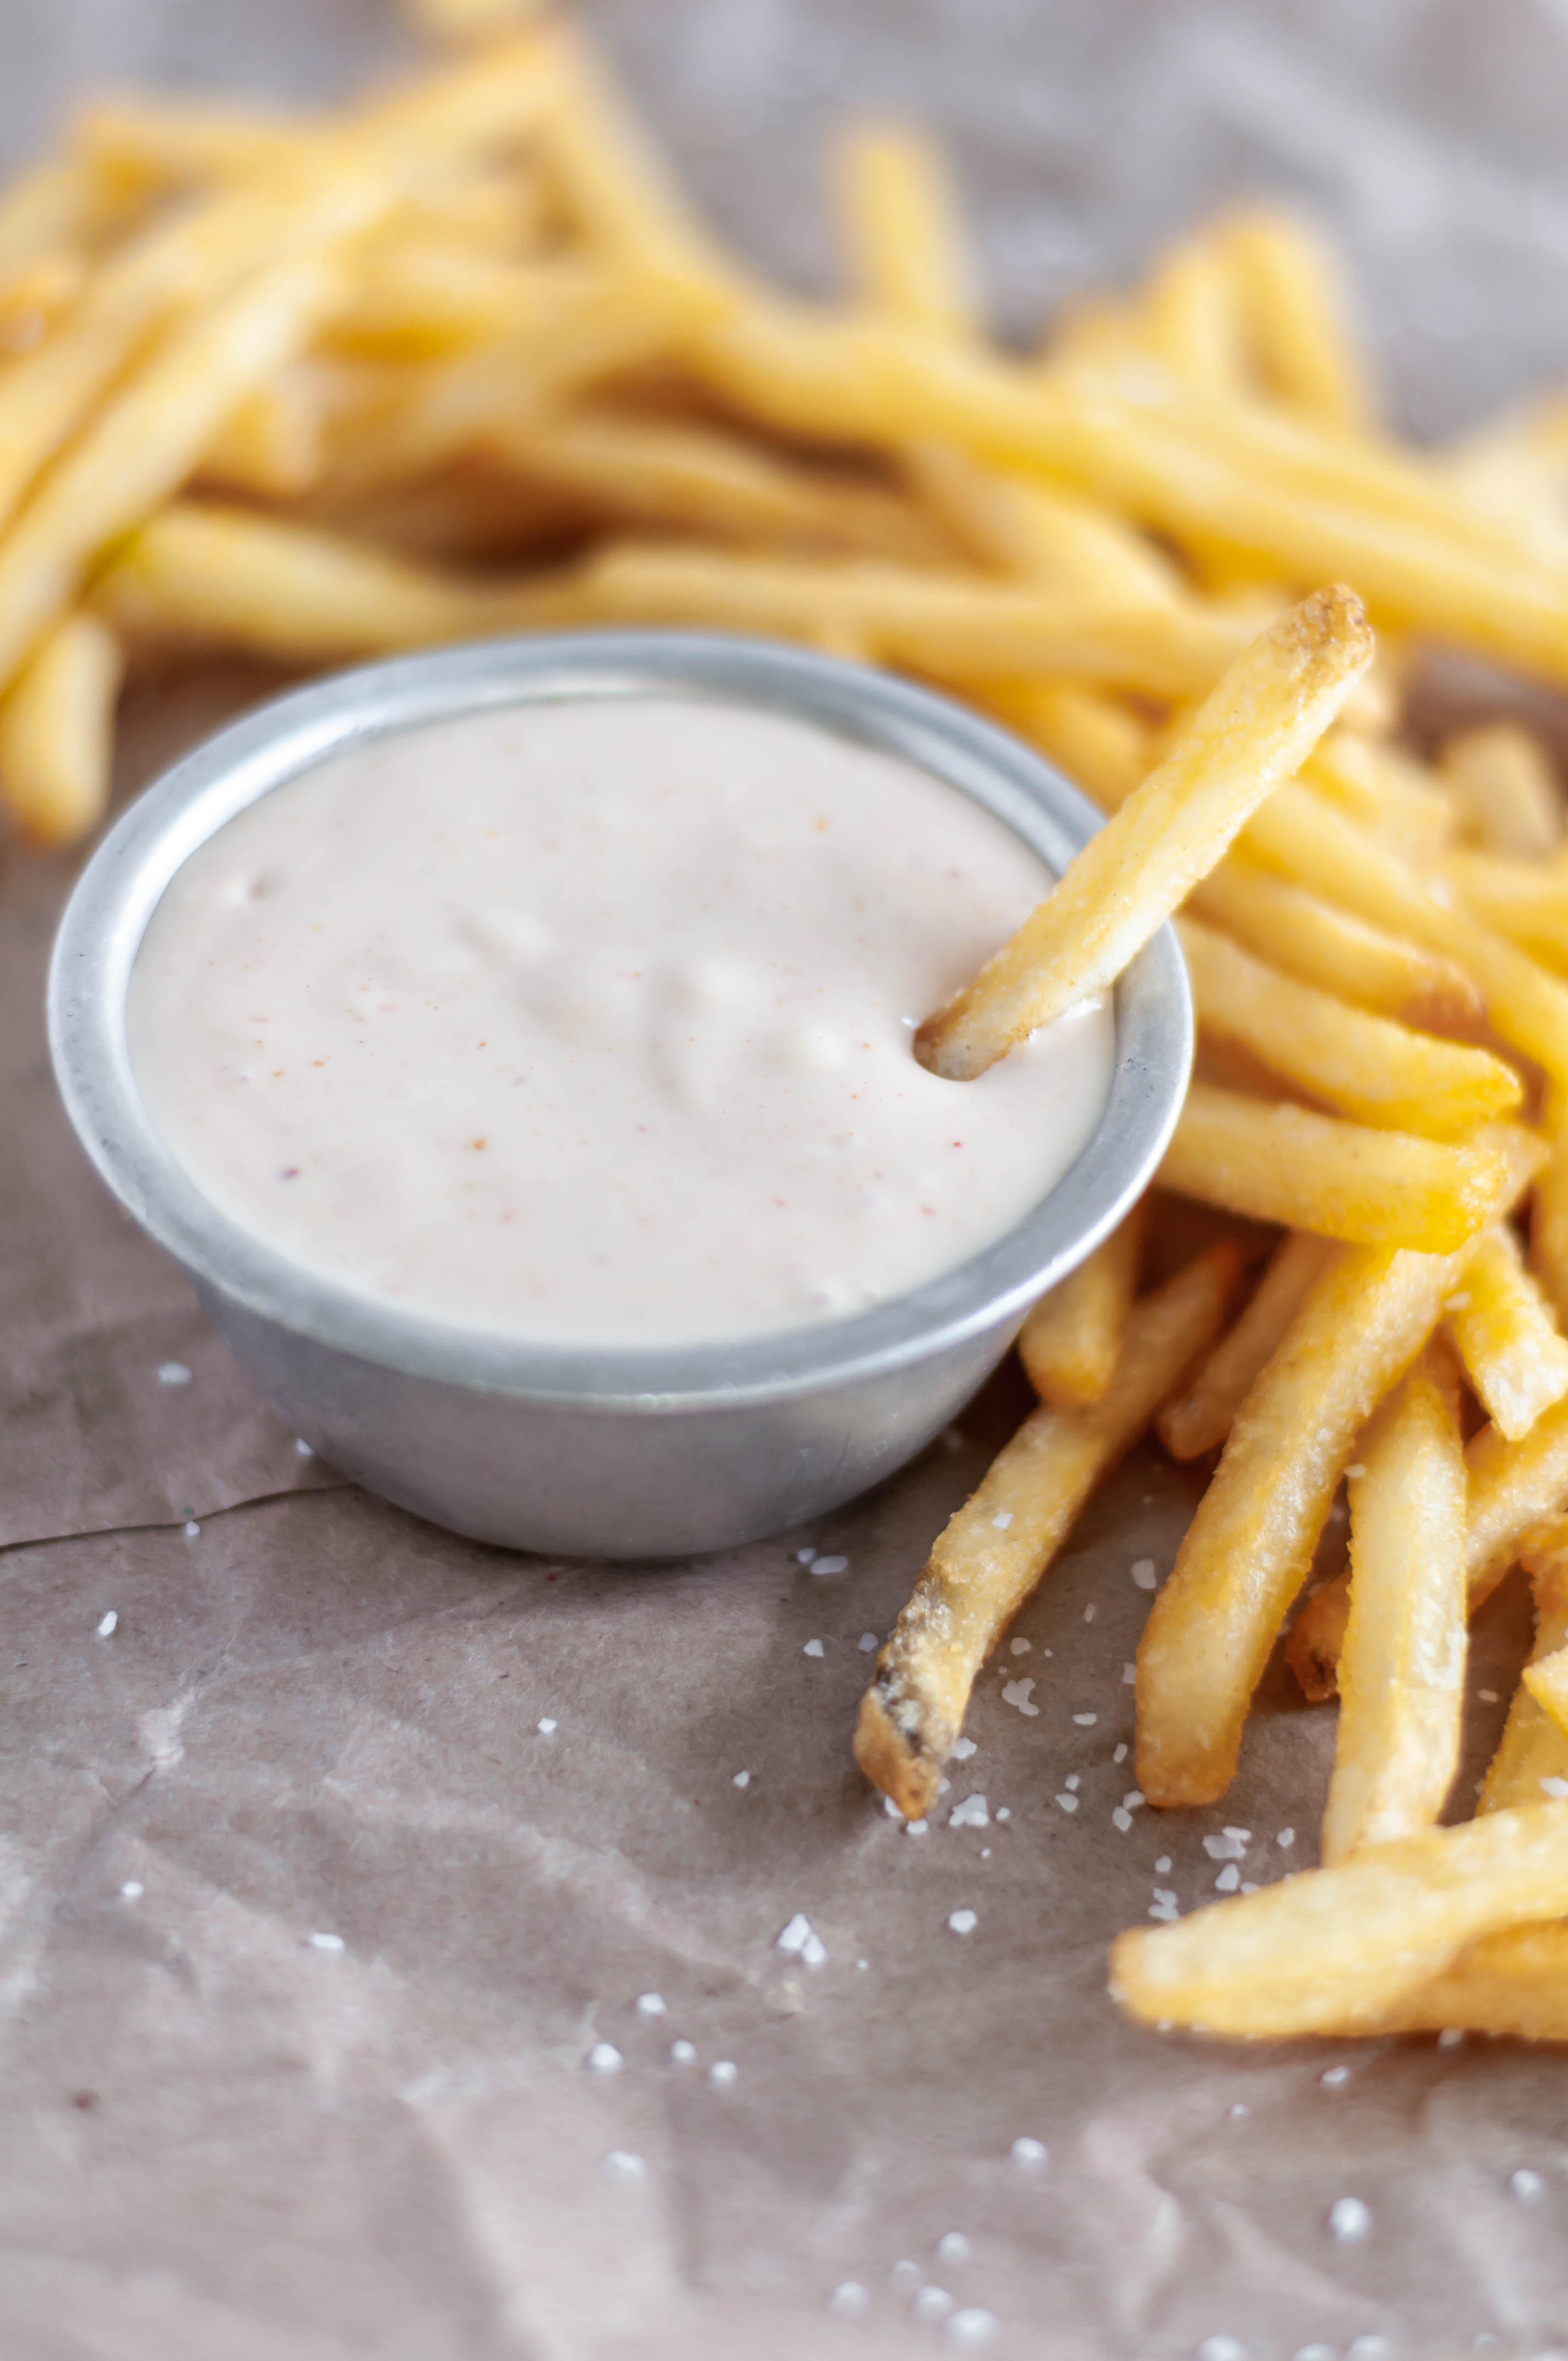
[{"x": 591, "y": 1022}]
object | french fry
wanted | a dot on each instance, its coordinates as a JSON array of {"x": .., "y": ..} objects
[
  {"x": 1325, "y": 946},
  {"x": 144, "y": 145},
  {"x": 902, "y": 214},
  {"x": 1283, "y": 1163},
  {"x": 1385, "y": 792},
  {"x": 1547, "y": 1682},
  {"x": 1334, "y": 1950},
  {"x": 1191, "y": 318},
  {"x": 273, "y": 444},
  {"x": 1250, "y": 733},
  {"x": 1513, "y": 1352},
  {"x": 995, "y": 1549},
  {"x": 1401, "y": 1672},
  {"x": 1200, "y": 1419},
  {"x": 1071, "y": 1341},
  {"x": 1532, "y": 1748},
  {"x": 1525, "y": 901},
  {"x": 1504, "y": 786},
  {"x": 1102, "y": 747},
  {"x": 1367, "y": 1067},
  {"x": 1250, "y": 1546},
  {"x": 1295, "y": 315},
  {"x": 1513, "y": 1987},
  {"x": 468, "y": 20},
  {"x": 56, "y": 733},
  {"x": 1548, "y": 1223}
]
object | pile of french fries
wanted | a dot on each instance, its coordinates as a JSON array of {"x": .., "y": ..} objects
[{"x": 458, "y": 359}]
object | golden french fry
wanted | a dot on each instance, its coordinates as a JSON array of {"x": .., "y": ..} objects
[
  {"x": 1502, "y": 780},
  {"x": 1547, "y": 1682},
  {"x": 1326, "y": 946},
  {"x": 902, "y": 214},
  {"x": 1532, "y": 1749},
  {"x": 1191, "y": 318},
  {"x": 47, "y": 211},
  {"x": 1249, "y": 1548},
  {"x": 1525, "y": 901},
  {"x": 143, "y": 145},
  {"x": 1401, "y": 1672},
  {"x": 1317, "y": 1639},
  {"x": 56, "y": 733},
  {"x": 1294, "y": 313},
  {"x": 273, "y": 444},
  {"x": 1335, "y": 1950},
  {"x": 1252, "y": 731},
  {"x": 1548, "y": 1223},
  {"x": 1282, "y": 1163},
  {"x": 232, "y": 578},
  {"x": 1071, "y": 1341},
  {"x": 1367, "y": 1067},
  {"x": 1104, "y": 748},
  {"x": 1200, "y": 1419},
  {"x": 1513, "y": 1352},
  {"x": 995, "y": 1549},
  {"x": 469, "y": 20},
  {"x": 1514, "y": 1986},
  {"x": 1383, "y": 791},
  {"x": 1043, "y": 533}
]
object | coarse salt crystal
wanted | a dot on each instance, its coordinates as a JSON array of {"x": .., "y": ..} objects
[
  {"x": 916, "y": 1827},
  {"x": 1129, "y": 1675},
  {"x": 812, "y": 1648},
  {"x": 801, "y": 1938},
  {"x": 325, "y": 1942},
  {"x": 1067, "y": 1803},
  {"x": 1134, "y": 1799},
  {"x": 804, "y": 1556},
  {"x": 1073, "y": 1782},
  {"x": 302, "y": 1449},
  {"x": 962, "y": 1749},
  {"x": 651, "y": 2005},
  {"x": 741, "y": 1779},
  {"x": 1165, "y": 1910},
  {"x": 1121, "y": 1753},
  {"x": 868, "y": 1642},
  {"x": 1241, "y": 1836},
  {"x": 905, "y": 2278},
  {"x": 1221, "y": 2348},
  {"x": 1002, "y": 1520},
  {"x": 1162, "y": 1866},
  {"x": 1239, "y": 2110},
  {"x": 932, "y": 2304},
  {"x": 1089, "y": 1612},
  {"x": 1086, "y": 1720},
  {"x": 971, "y": 2328},
  {"x": 830, "y": 1565},
  {"x": 1557, "y": 1787},
  {"x": 1018, "y": 1693},
  {"x": 192, "y": 1528},
  {"x": 174, "y": 1373},
  {"x": 723, "y": 2073},
  {"x": 1143, "y": 1573},
  {"x": 848, "y": 2300},
  {"x": 546, "y": 1726},
  {"x": 1487, "y": 1696},
  {"x": 1003, "y": 1812},
  {"x": 1017, "y": 1647},
  {"x": 683, "y": 2053},
  {"x": 1357, "y": 1470},
  {"x": 970, "y": 1814},
  {"x": 1451, "y": 2038},
  {"x": 622, "y": 2165},
  {"x": 1334, "y": 2076},
  {"x": 603, "y": 2057},
  {"x": 1122, "y": 1819},
  {"x": 1314, "y": 2353},
  {"x": 1373, "y": 2348},
  {"x": 1527, "y": 2186},
  {"x": 1224, "y": 1846},
  {"x": 1457, "y": 1303},
  {"x": 1028, "y": 2155},
  {"x": 133, "y": 1889},
  {"x": 1248, "y": 1885},
  {"x": 962, "y": 1922},
  {"x": 1349, "y": 2220},
  {"x": 1284, "y": 1839},
  {"x": 1228, "y": 1880},
  {"x": 108, "y": 1625},
  {"x": 953, "y": 2248},
  {"x": 891, "y": 1808}
]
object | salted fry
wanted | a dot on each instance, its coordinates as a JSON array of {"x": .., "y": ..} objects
[
  {"x": 56, "y": 733},
  {"x": 901, "y": 210},
  {"x": 1250, "y": 733},
  {"x": 1513, "y": 1352},
  {"x": 1283, "y": 1163},
  {"x": 1513, "y": 1987},
  {"x": 1401, "y": 1672},
  {"x": 1524, "y": 901},
  {"x": 1367, "y": 1067},
  {"x": 1335, "y": 1950},
  {"x": 995, "y": 1549},
  {"x": 1295, "y": 315},
  {"x": 1200, "y": 1419},
  {"x": 1532, "y": 1749},
  {"x": 1071, "y": 1341},
  {"x": 1548, "y": 1223},
  {"x": 1503, "y": 783}
]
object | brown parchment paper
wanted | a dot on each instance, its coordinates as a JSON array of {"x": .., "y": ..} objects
[{"x": 515, "y": 1796}]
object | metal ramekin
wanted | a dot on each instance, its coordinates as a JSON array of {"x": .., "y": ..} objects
[{"x": 655, "y": 1452}]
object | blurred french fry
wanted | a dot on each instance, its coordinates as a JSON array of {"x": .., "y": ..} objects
[
  {"x": 1385, "y": 792},
  {"x": 1367, "y": 1067},
  {"x": 1401, "y": 1670},
  {"x": 1532, "y": 1748},
  {"x": 1326, "y": 946},
  {"x": 1104, "y": 748},
  {"x": 1253, "y": 730},
  {"x": 902, "y": 214},
  {"x": 1317, "y": 1639},
  {"x": 1333, "y": 1950},
  {"x": 1200, "y": 1419},
  {"x": 1524, "y": 902},
  {"x": 1250, "y": 1546},
  {"x": 228, "y": 577},
  {"x": 1548, "y": 1221},
  {"x": 56, "y": 733},
  {"x": 994, "y": 1552},
  {"x": 1296, "y": 311},
  {"x": 1504, "y": 784},
  {"x": 1283, "y": 1163},
  {"x": 1191, "y": 317},
  {"x": 1513, "y": 1987},
  {"x": 469, "y": 20},
  {"x": 1513, "y": 1352},
  {"x": 1071, "y": 1340},
  {"x": 142, "y": 145},
  {"x": 47, "y": 212},
  {"x": 273, "y": 444}
]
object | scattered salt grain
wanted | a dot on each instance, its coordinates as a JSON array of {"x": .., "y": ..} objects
[
  {"x": 325, "y": 1942},
  {"x": 862, "y": 1965},
  {"x": 1143, "y": 1573},
  {"x": 891, "y": 1808},
  {"x": 1017, "y": 1647},
  {"x": 622, "y": 2165},
  {"x": 651, "y": 2005},
  {"x": 1228, "y": 1880},
  {"x": 848, "y": 2300},
  {"x": 1122, "y": 1819},
  {"x": 683, "y": 2053},
  {"x": 1002, "y": 1520},
  {"x": 1557, "y": 1787},
  {"x": 1248, "y": 1885},
  {"x": 830, "y": 1565},
  {"x": 905, "y": 2278},
  {"x": 1018, "y": 1693},
  {"x": 1357, "y": 1470},
  {"x": 603, "y": 2057},
  {"x": 548, "y": 1726},
  {"x": 1086, "y": 1720},
  {"x": 741, "y": 1779},
  {"x": 953, "y": 2248},
  {"x": 302, "y": 1449},
  {"x": 932, "y": 2304},
  {"x": 1089, "y": 1612},
  {"x": 1313, "y": 2353},
  {"x": 1368, "y": 2349},
  {"x": 1121, "y": 1753},
  {"x": 1284, "y": 1839},
  {"x": 1067, "y": 1803},
  {"x": 868, "y": 1642},
  {"x": 1129, "y": 1675},
  {"x": 916, "y": 1827},
  {"x": 801, "y": 1938},
  {"x": 804, "y": 1556},
  {"x": 108, "y": 1625},
  {"x": 1162, "y": 1866},
  {"x": 1221, "y": 2348},
  {"x": 1073, "y": 1782},
  {"x": 1239, "y": 2110},
  {"x": 971, "y": 2328},
  {"x": 1332, "y": 2076},
  {"x": 1029, "y": 2154},
  {"x": 1133, "y": 1801},
  {"x": 1003, "y": 1812},
  {"x": 192, "y": 1528},
  {"x": 1456, "y": 1304},
  {"x": 1451, "y": 2038},
  {"x": 1487, "y": 1696},
  {"x": 970, "y": 1814},
  {"x": 1228, "y": 1845},
  {"x": 1527, "y": 2186},
  {"x": 133, "y": 1889},
  {"x": 174, "y": 1373},
  {"x": 723, "y": 2073},
  {"x": 962, "y": 1922},
  {"x": 1163, "y": 1907},
  {"x": 962, "y": 1749},
  {"x": 1349, "y": 2220},
  {"x": 812, "y": 1648}
]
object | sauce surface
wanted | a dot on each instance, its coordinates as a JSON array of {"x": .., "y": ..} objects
[{"x": 591, "y": 1023}]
